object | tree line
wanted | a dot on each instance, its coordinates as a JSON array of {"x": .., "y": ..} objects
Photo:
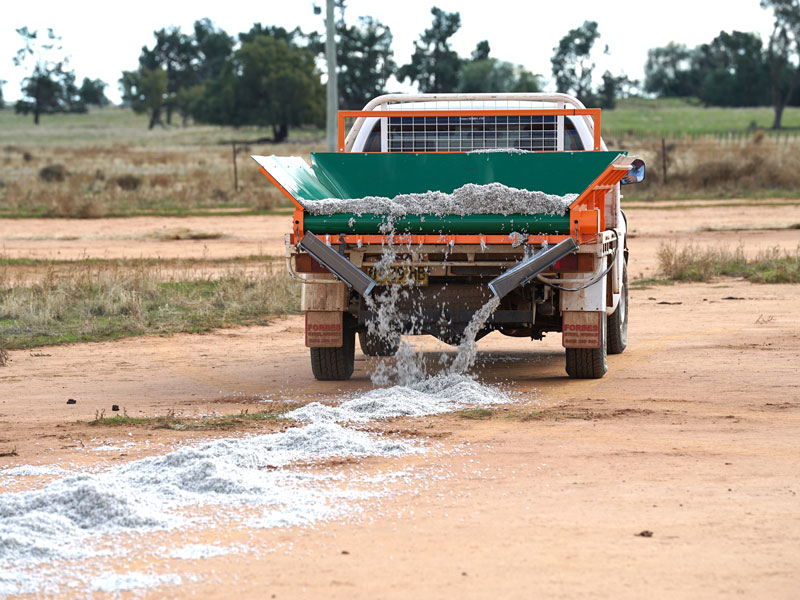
[
  {"x": 269, "y": 76},
  {"x": 50, "y": 86},
  {"x": 736, "y": 68}
]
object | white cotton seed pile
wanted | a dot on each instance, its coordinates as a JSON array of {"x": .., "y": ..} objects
[
  {"x": 57, "y": 520},
  {"x": 31, "y": 471},
  {"x": 469, "y": 199},
  {"x": 66, "y": 519},
  {"x": 121, "y": 582},
  {"x": 500, "y": 151},
  {"x": 438, "y": 394},
  {"x": 200, "y": 551}
]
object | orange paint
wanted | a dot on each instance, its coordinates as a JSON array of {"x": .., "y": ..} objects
[
  {"x": 533, "y": 112},
  {"x": 417, "y": 239},
  {"x": 587, "y": 212}
]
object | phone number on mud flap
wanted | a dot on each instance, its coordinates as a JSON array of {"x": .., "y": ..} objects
[{"x": 401, "y": 274}]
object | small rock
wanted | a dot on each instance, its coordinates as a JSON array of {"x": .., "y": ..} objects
[
  {"x": 645, "y": 533},
  {"x": 115, "y": 407},
  {"x": 71, "y": 401}
]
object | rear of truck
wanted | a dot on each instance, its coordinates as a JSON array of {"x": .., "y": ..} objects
[{"x": 556, "y": 271}]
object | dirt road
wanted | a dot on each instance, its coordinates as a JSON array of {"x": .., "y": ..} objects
[{"x": 694, "y": 436}]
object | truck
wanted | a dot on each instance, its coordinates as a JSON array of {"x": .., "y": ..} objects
[{"x": 552, "y": 272}]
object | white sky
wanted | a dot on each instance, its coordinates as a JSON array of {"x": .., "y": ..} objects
[{"x": 104, "y": 38}]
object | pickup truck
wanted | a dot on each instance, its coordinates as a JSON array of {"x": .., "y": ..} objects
[{"x": 555, "y": 271}]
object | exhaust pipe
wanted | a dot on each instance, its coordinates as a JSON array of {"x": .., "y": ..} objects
[
  {"x": 530, "y": 267},
  {"x": 337, "y": 264}
]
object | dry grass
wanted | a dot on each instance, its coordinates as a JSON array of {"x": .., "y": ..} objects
[
  {"x": 99, "y": 181},
  {"x": 695, "y": 263},
  {"x": 759, "y": 166},
  {"x": 96, "y": 301},
  {"x": 170, "y": 421},
  {"x": 106, "y": 163}
]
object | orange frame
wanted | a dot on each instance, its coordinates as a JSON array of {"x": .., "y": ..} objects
[
  {"x": 531, "y": 112},
  {"x": 586, "y": 212}
]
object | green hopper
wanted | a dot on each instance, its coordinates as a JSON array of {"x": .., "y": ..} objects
[{"x": 358, "y": 175}]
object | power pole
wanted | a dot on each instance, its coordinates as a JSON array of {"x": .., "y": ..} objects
[{"x": 333, "y": 93}]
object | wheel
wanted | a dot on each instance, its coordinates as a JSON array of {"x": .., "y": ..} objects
[
  {"x": 589, "y": 363},
  {"x": 329, "y": 364},
  {"x": 618, "y": 321},
  {"x": 372, "y": 345}
]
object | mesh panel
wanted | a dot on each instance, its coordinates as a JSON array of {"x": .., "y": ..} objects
[{"x": 466, "y": 133}]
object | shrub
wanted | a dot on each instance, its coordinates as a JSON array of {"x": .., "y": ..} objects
[
  {"x": 53, "y": 173},
  {"x": 127, "y": 182},
  {"x": 693, "y": 263}
]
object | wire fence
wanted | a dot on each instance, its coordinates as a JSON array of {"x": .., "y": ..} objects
[{"x": 733, "y": 138}]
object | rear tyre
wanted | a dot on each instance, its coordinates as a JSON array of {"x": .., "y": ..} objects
[
  {"x": 618, "y": 321},
  {"x": 335, "y": 364},
  {"x": 372, "y": 345},
  {"x": 588, "y": 363}
]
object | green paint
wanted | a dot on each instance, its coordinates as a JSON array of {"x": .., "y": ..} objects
[
  {"x": 431, "y": 224},
  {"x": 358, "y": 175},
  {"x": 351, "y": 175}
]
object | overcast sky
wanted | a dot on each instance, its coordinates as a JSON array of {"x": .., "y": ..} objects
[{"x": 104, "y": 38}]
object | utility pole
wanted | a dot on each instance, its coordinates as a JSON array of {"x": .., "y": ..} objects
[{"x": 333, "y": 93}]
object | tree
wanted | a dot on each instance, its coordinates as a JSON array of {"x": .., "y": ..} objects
[
  {"x": 784, "y": 43},
  {"x": 732, "y": 70},
  {"x": 144, "y": 90},
  {"x": 49, "y": 88},
  {"x": 435, "y": 66},
  {"x": 267, "y": 82},
  {"x": 2, "y": 100},
  {"x": 93, "y": 92},
  {"x": 669, "y": 71},
  {"x": 213, "y": 47},
  {"x": 187, "y": 61},
  {"x": 614, "y": 87},
  {"x": 572, "y": 66},
  {"x": 258, "y": 30},
  {"x": 485, "y": 74},
  {"x": 364, "y": 61},
  {"x": 175, "y": 53},
  {"x": 364, "y": 58},
  {"x": 481, "y": 51}
]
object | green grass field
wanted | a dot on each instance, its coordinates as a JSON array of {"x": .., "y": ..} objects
[
  {"x": 669, "y": 117},
  {"x": 115, "y": 125},
  {"x": 676, "y": 117}
]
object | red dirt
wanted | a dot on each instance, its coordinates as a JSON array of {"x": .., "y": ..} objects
[{"x": 693, "y": 435}]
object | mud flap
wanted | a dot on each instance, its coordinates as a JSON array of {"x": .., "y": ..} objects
[
  {"x": 582, "y": 329},
  {"x": 324, "y": 329}
]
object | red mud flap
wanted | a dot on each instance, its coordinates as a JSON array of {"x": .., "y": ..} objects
[
  {"x": 582, "y": 329},
  {"x": 324, "y": 329}
]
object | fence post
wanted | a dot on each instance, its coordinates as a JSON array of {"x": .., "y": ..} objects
[{"x": 235, "y": 170}]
